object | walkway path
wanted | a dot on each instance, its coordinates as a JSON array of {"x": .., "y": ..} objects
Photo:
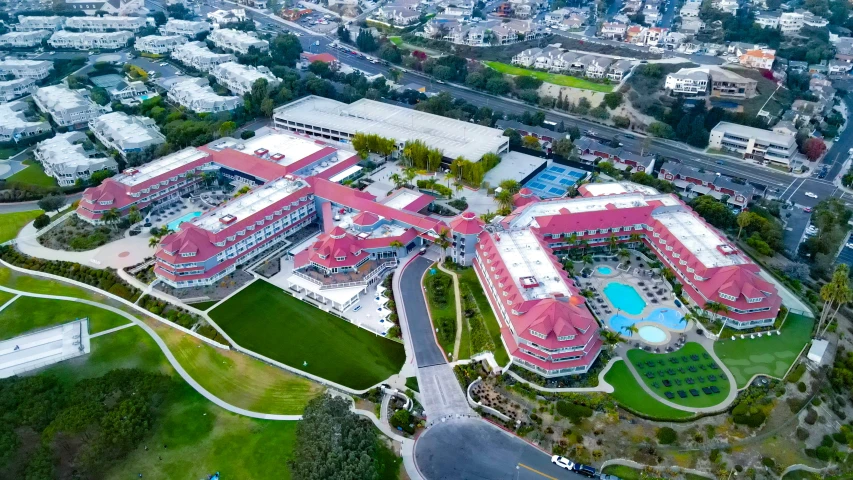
[
  {"x": 111, "y": 330},
  {"x": 459, "y": 323},
  {"x": 602, "y": 387}
]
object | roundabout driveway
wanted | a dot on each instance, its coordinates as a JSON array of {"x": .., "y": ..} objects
[{"x": 471, "y": 448}]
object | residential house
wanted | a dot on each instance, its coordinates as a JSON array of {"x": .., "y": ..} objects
[
  {"x": 196, "y": 95},
  {"x": 753, "y": 143},
  {"x": 125, "y": 133},
  {"x": 16, "y": 124},
  {"x": 695, "y": 182},
  {"x": 65, "y": 158},
  {"x": 590, "y": 150},
  {"x": 613, "y": 30},
  {"x": 688, "y": 82},
  {"x": 24, "y": 39},
  {"x": 50, "y": 23},
  {"x": 67, "y": 108},
  {"x": 760, "y": 58},
  {"x": 158, "y": 44},
  {"x": 37, "y": 69},
  {"x": 618, "y": 70}
]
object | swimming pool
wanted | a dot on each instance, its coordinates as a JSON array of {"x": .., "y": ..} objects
[
  {"x": 604, "y": 270},
  {"x": 651, "y": 334},
  {"x": 666, "y": 317},
  {"x": 175, "y": 224},
  {"x": 624, "y": 297}
]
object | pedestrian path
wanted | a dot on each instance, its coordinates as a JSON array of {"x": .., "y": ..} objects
[
  {"x": 459, "y": 321},
  {"x": 111, "y": 330}
]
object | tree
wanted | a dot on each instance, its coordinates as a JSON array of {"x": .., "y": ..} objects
[
  {"x": 583, "y": 106},
  {"x": 365, "y": 41},
  {"x": 744, "y": 219},
  {"x": 397, "y": 179},
  {"x": 716, "y": 308},
  {"x": 344, "y": 34},
  {"x": 837, "y": 291},
  {"x": 609, "y": 337},
  {"x": 562, "y": 147},
  {"x": 504, "y": 199},
  {"x": 111, "y": 216},
  {"x": 814, "y": 148},
  {"x": 133, "y": 215},
  {"x": 661, "y": 130},
  {"x": 443, "y": 241},
  {"x": 613, "y": 100},
  {"x": 41, "y": 221},
  {"x": 531, "y": 142},
  {"x": 332, "y": 442},
  {"x": 52, "y": 203},
  {"x": 99, "y": 176},
  {"x": 510, "y": 185}
]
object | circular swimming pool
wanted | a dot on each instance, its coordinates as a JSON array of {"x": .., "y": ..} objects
[
  {"x": 604, "y": 270},
  {"x": 651, "y": 334}
]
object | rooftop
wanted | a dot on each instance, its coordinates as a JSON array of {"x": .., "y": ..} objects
[
  {"x": 617, "y": 188},
  {"x": 388, "y": 228},
  {"x": 588, "y": 204},
  {"x": 455, "y": 138},
  {"x": 137, "y": 175},
  {"x": 530, "y": 265},
  {"x": 702, "y": 241},
  {"x": 291, "y": 147},
  {"x": 757, "y": 133}
]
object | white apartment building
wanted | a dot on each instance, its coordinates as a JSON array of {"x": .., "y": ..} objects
[
  {"x": 124, "y": 90},
  {"x": 14, "y": 125},
  {"x": 240, "y": 78},
  {"x": 16, "y": 88},
  {"x": 28, "y": 39},
  {"x": 613, "y": 30},
  {"x": 64, "y": 158},
  {"x": 728, "y": 6},
  {"x": 196, "y": 95},
  {"x": 687, "y": 82},
  {"x": 237, "y": 41},
  {"x": 198, "y": 56},
  {"x": 159, "y": 44},
  {"x": 106, "y": 24},
  {"x": 67, "y": 107},
  {"x": 126, "y": 133},
  {"x": 28, "y": 24},
  {"x": 791, "y": 22},
  {"x": 186, "y": 28},
  {"x": 90, "y": 40},
  {"x": 37, "y": 69},
  {"x": 110, "y": 7},
  {"x": 224, "y": 17},
  {"x": 767, "y": 20},
  {"x": 753, "y": 143}
]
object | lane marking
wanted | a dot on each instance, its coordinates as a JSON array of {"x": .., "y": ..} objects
[
  {"x": 537, "y": 471},
  {"x": 795, "y": 190}
]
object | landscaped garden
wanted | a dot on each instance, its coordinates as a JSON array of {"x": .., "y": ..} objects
[
  {"x": 12, "y": 223},
  {"x": 30, "y": 313},
  {"x": 630, "y": 395},
  {"x": 553, "y": 78},
  {"x": 769, "y": 354},
  {"x": 468, "y": 277},
  {"x": 266, "y": 320},
  {"x": 33, "y": 175},
  {"x": 442, "y": 307},
  {"x": 687, "y": 376}
]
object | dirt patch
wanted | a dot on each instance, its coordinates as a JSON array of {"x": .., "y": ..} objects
[
  {"x": 572, "y": 94},
  {"x": 76, "y": 235},
  {"x": 224, "y": 287}
]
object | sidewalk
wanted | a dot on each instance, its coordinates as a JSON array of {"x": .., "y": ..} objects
[{"x": 459, "y": 323}]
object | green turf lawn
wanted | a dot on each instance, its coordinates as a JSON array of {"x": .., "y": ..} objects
[
  {"x": 396, "y": 40},
  {"x": 204, "y": 305},
  {"x": 12, "y": 223},
  {"x": 629, "y": 393},
  {"x": 31, "y": 284},
  {"x": 412, "y": 382},
  {"x": 264, "y": 319},
  {"x": 627, "y": 473},
  {"x": 30, "y": 313},
  {"x": 469, "y": 277},
  {"x": 447, "y": 312},
  {"x": 770, "y": 355},
  {"x": 33, "y": 175},
  {"x": 661, "y": 372},
  {"x": 5, "y": 297},
  {"x": 553, "y": 78}
]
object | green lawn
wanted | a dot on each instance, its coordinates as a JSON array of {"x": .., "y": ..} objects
[
  {"x": 5, "y": 297},
  {"x": 770, "y": 355},
  {"x": 469, "y": 277},
  {"x": 30, "y": 313},
  {"x": 443, "y": 317},
  {"x": 412, "y": 382},
  {"x": 31, "y": 284},
  {"x": 629, "y": 393},
  {"x": 396, "y": 40},
  {"x": 553, "y": 78},
  {"x": 266, "y": 320},
  {"x": 690, "y": 362},
  {"x": 33, "y": 175},
  {"x": 627, "y": 473},
  {"x": 12, "y": 223},
  {"x": 204, "y": 305}
]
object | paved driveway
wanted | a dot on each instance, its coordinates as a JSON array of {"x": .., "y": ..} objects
[
  {"x": 427, "y": 352},
  {"x": 475, "y": 449}
]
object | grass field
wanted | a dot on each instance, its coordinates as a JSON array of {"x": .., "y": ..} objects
[
  {"x": 27, "y": 283},
  {"x": 627, "y": 473},
  {"x": 553, "y": 78},
  {"x": 396, "y": 40},
  {"x": 770, "y": 355},
  {"x": 29, "y": 313},
  {"x": 12, "y": 223},
  {"x": 239, "y": 379},
  {"x": 443, "y": 316},
  {"x": 33, "y": 175},
  {"x": 266, "y": 320},
  {"x": 629, "y": 393},
  {"x": 204, "y": 305},
  {"x": 469, "y": 277},
  {"x": 679, "y": 368}
]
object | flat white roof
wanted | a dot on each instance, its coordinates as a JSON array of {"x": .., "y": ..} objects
[
  {"x": 346, "y": 173},
  {"x": 402, "y": 199},
  {"x": 699, "y": 238},
  {"x": 247, "y": 205},
  {"x": 385, "y": 229},
  {"x": 292, "y": 147},
  {"x": 587, "y": 204},
  {"x": 146, "y": 172},
  {"x": 524, "y": 257},
  {"x": 617, "y": 188}
]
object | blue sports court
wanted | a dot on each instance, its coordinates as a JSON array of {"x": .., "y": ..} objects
[{"x": 554, "y": 181}]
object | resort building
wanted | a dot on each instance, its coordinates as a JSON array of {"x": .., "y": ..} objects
[
  {"x": 185, "y": 28},
  {"x": 106, "y": 23},
  {"x": 239, "y": 78},
  {"x": 37, "y": 69},
  {"x": 65, "y": 158},
  {"x": 67, "y": 108},
  {"x": 25, "y": 39},
  {"x": 16, "y": 88},
  {"x": 753, "y": 143},
  {"x": 237, "y": 41},
  {"x": 159, "y": 44},
  {"x": 125, "y": 133},
  {"x": 198, "y": 56},
  {"x": 90, "y": 40},
  {"x": 29, "y": 24},
  {"x": 694, "y": 181},
  {"x": 330, "y": 119},
  {"x": 15, "y": 124},
  {"x": 197, "y": 95}
]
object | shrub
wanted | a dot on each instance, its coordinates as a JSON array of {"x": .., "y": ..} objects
[
  {"x": 768, "y": 462},
  {"x": 714, "y": 456},
  {"x": 811, "y": 416},
  {"x": 802, "y": 387},
  {"x": 824, "y": 453},
  {"x": 246, "y": 134},
  {"x": 667, "y": 436},
  {"x": 41, "y": 221},
  {"x": 402, "y": 419},
  {"x": 802, "y": 434},
  {"x": 574, "y": 412}
]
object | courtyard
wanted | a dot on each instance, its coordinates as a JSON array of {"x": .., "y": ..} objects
[{"x": 269, "y": 321}]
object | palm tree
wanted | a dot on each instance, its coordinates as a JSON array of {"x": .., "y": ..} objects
[
  {"x": 612, "y": 242},
  {"x": 111, "y": 216},
  {"x": 443, "y": 241},
  {"x": 569, "y": 266},
  {"x": 623, "y": 253},
  {"x": 409, "y": 174},
  {"x": 512, "y": 185},
  {"x": 457, "y": 185},
  {"x": 635, "y": 237},
  {"x": 153, "y": 241},
  {"x": 630, "y": 329},
  {"x": 396, "y": 244},
  {"x": 133, "y": 215},
  {"x": 504, "y": 199},
  {"x": 587, "y": 259},
  {"x": 583, "y": 244},
  {"x": 743, "y": 220},
  {"x": 668, "y": 275},
  {"x": 430, "y": 183},
  {"x": 573, "y": 238},
  {"x": 448, "y": 176},
  {"x": 716, "y": 308},
  {"x": 397, "y": 179},
  {"x": 836, "y": 291},
  {"x": 610, "y": 338},
  {"x": 843, "y": 296}
]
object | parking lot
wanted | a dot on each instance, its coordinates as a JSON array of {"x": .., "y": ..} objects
[{"x": 160, "y": 71}]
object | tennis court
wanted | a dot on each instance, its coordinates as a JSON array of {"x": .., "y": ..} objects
[
  {"x": 554, "y": 181},
  {"x": 106, "y": 81}
]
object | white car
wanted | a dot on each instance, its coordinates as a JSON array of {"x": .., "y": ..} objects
[
  {"x": 811, "y": 195},
  {"x": 563, "y": 462},
  {"x": 164, "y": 64},
  {"x": 849, "y": 245}
]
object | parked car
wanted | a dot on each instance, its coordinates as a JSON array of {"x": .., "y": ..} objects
[
  {"x": 562, "y": 462},
  {"x": 807, "y": 209},
  {"x": 811, "y": 195},
  {"x": 584, "y": 470}
]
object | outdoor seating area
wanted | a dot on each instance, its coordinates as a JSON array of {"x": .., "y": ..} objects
[
  {"x": 360, "y": 273},
  {"x": 675, "y": 344}
]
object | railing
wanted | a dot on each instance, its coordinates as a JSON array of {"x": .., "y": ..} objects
[{"x": 376, "y": 272}]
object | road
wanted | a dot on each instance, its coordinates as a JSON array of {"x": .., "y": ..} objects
[
  {"x": 427, "y": 352},
  {"x": 475, "y": 449}
]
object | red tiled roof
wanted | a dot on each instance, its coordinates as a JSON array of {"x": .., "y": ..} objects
[{"x": 468, "y": 223}]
